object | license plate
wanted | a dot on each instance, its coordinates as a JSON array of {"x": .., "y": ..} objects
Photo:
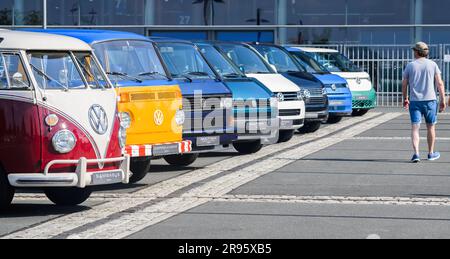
[
  {"x": 163, "y": 150},
  {"x": 208, "y": 141},
  {"x": 362, "y": 98},
  {"x": 312, "y": 116},
  {"x": 255, "y": 126},
  {"x": 336, "y": 103},
  {"x": 287, "y": 124},
  {"x": 106, "y": 178}
]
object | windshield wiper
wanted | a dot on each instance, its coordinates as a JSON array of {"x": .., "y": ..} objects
[
  {"x": 124, "y": 75},
  {"x": 154, "y": 74},
  {"x": 49, "y": 78},
  {"x": 183, "y": 76},
  {"x": 199, "y": 74},
  {"x": 232, "y": 75}
]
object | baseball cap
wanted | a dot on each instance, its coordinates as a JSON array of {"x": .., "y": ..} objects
[{"x": 421, "y": 46}]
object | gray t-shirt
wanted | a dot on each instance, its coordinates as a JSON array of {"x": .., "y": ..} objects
[{"x": 421, "y": 74}]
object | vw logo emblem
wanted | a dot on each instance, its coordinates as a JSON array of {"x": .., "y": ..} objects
[
  {"x": 358, "y": 81},
  {"x": 307, "y": 94},
  {"x": 333, "y": 87},
  {"x": 98, "y": 119},
  {"x": 158, "y": 117},
  {"x": 280, "y": 97}
]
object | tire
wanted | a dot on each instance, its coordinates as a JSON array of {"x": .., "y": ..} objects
[
  {"x": 334, "y": 119},
  {"x": 181, "y": 160},
  {"x": 247, "y": 148},
  {"x": 310, "y": 127},
  {"x": 359, "y": 112},
  {"x": 6, "y": 191},
  {"x": 139, "y": 168},
  {"x": 285, "y": 135},
  {"x": 68, "y": 196}
]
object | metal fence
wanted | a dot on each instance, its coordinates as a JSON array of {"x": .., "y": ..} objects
[{"x": 385, "y": 64}]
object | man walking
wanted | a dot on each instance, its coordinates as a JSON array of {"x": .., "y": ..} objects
[{"x": 423, "y": 76}]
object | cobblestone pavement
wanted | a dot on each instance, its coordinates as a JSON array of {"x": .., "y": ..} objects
[{"x": 349, "y": 180}]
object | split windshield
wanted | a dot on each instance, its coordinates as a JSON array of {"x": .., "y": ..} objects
[
  {"x": 130, "y": 60},
  {"x": 335, "y": 62},
  {"x": 245, "y": 58},
  {"x": 64, "y": 71},
  {"x": 307, "y": 61},
  {"x": 223, "y": 66},
  {"x": 279, "y": 58},
  {"x": 185, "y": 61}
]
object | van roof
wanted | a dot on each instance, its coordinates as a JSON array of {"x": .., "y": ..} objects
[
  {"x": 21, "y": 40},
  {"x": 313, "y": 50},
  {"x": 93, "y": 36}
]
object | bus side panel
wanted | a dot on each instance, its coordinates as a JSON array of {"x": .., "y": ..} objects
[{"x": 20, "y": 145}]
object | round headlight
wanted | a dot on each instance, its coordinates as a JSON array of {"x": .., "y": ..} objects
[
  {"x": 64, "y": 141},
  {"x": 280, "y": 97},
  {"x": 180, "y": 117},
  {"x": 306, "y": 93},
  {"x": 125, "y": 120},
  {"x": 227, "y": 103},
  {"x": 122, "y": 137}
]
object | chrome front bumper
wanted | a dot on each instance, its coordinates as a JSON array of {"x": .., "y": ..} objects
[{"x": 81, "y": 178}]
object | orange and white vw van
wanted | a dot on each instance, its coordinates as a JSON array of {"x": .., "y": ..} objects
[
  {"x": 150, "y": 102},
  {"x": 59, "y": 126}
]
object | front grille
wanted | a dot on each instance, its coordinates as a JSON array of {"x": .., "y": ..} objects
[
  {"x": 167, "y": 95},
  {"x": 289, "y": 96},
  {"x": 219, "y": 123},
  {"x": 316, "y": 101},
  {"x": 263, "y": 103},
  {"x": 315, "y": 91},
  {"x": 338, "y": 86},
  {"x": 202, "y": 104},
  {"x": 136, "y": 97},
  {"x": 361, "y": 104},
  {"x": 290, "y": 112}
]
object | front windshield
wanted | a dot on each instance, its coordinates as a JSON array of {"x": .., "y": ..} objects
[
  {"x": 58, "y": 70},
  {"x": 246, "y": 58},
  {"x": 307, "y": 61},
  {"x": 336, "y": 62},
  {"x": 219, "y": 62},
  {"x": 185, "y": 61},
  {"x": 277, "y": 57},
  {"x": 133, "y": 59}
]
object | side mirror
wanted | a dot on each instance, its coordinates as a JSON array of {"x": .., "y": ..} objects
[
  {"x": 274, "y": 68},
  {"x": 242, "y": 68},
  {"x": 17, "y": 77}
]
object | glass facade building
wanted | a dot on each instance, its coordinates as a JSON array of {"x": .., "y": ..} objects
[{"x": 280, "y": 21}]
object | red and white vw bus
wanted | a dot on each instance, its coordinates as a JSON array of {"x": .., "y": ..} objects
[{"x": 59, "y": 128}]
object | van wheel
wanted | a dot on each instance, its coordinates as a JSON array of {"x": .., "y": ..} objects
[
  {"x": 181, "y": 160},
  {"x": 334, "y": 119},
  {"x": 247, "y": 148},
  {"x": 6, "y": 191},
  {"x": 68, "y": 196},
  {"x": 139, "y": 167},
  {"x": 310, "y": 127},
  {"x": 285, "y": 135},
  {"x": 359, "y": 112}
]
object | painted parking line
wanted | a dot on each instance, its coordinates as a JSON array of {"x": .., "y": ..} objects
[
  {"x": 330, "y": 200},
  {"x": 130, "y": 223},
  {"x": 105, "y": 213},
  {"x": 395, "y": 138}
]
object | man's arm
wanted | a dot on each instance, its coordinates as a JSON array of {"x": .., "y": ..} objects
[
  {"x": 441, "y": 88},
  {"x": 405, "y": 93}
]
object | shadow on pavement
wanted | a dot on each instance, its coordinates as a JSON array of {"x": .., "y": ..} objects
[{"x": 35, "y": 210}]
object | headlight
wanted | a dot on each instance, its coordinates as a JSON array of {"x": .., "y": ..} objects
[
  {"x": 125, "y": 120},
  {"x": 273, "y": 102},
  {"x": 64, "y": 141},
  {"x": 280, "y": 97},
  {"x": 324, "y": 91},
  {"x": 226, "y": 103},
  {"x": 122, "y": 137},
  {"x": 180, "y": 117},
  {"x": 306, "y": 94}
]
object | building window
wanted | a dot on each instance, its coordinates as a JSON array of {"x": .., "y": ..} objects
[
  {"x": 21, "y": 12},
  {"x": 96, "y": 12}
]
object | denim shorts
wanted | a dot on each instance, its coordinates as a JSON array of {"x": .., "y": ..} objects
[{"x": 427, "y": 109}]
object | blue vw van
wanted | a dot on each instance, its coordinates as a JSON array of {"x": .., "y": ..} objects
[
  {"x": 207, "y": 101},
  {"x": 338, "y": 91},
  {"x": 254, "y": 105}
]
